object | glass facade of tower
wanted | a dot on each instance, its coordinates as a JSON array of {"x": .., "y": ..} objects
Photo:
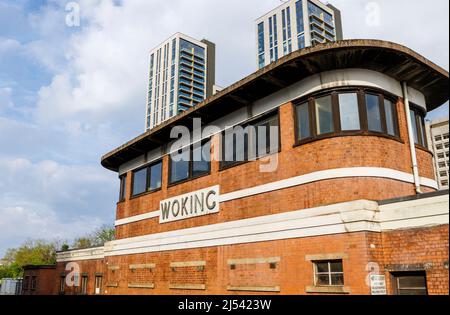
[
  {"x": 312, "y": 21},
  {"x": 177, "y": 79}
]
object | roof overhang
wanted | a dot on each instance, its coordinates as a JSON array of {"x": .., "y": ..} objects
[{"x": 394, "y": 60}]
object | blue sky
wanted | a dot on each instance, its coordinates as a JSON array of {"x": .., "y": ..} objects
[{"x": 70, "y": 94}]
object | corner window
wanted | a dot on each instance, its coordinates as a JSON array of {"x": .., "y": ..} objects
[
  {"x": 418, "y": 127},
  {"x": 324, "y": 115},
  {"x": 123, "y": 187},
  {"x": 250, "y": 141},
  {"x": 373, "y": 113},
  {"x": 147, "y": 179},
  {"x": 349, "y": 112},
  {"x": 190, "y": 162},
  {"x": 304, "y": 127},
  {"x": 328, "y": 273},
  {"x": 344, "y": 112}
]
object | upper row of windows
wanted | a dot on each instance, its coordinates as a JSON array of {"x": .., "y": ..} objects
[{"x": 321, "y": 115}]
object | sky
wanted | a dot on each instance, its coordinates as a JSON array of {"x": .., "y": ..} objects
[{"x": 71, "y": 92}]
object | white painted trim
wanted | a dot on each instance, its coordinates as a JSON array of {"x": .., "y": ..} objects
[
  {"x": 355, "y": 216},
  {"x": 136, "y": 218},
  {"x": 352, "y": 172}
]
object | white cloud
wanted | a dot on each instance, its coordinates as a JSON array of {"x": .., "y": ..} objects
[
  {"x": 5, "y": 99},
  {"x": 47, "y": 199}
]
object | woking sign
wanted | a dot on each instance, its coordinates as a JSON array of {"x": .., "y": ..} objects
[{"x": 195, "y": 204}]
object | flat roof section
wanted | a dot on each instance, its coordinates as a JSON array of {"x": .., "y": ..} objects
[{"x": 394, "y": 60}]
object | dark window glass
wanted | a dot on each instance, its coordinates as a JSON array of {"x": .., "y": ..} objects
[
  {"x": 250, "y": 141},
  {"x": 84, "y": 282},
  {"x": 411, "y": 283},
  {"x": 201, "y": 163},
  {"x": 123, "y": 187},
  {"x": 349, "y": 111},
  {"x": 414, "y": 126},
  {"x": 324, "y": 115},
  {"x": 180, "y": 165},
  {"x": 155, "y": 176},
  {"x": 373, "y": 112},
  {"x": 266, "y": 136},
  {"x": 418, "y": 127},
  {"x": 139, "y": 181},
  {"x": 391, "y": 125},
  {"x": 304, "y": 128}
]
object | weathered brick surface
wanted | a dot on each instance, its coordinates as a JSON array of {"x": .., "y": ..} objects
[
  {"x": 44, "y": 281},
  {"x": 293, "y": 273},
  {"x": 332, "y": 153}
]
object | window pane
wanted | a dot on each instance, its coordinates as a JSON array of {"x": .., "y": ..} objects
[
  {"x": 156, "y": 176},
  {"x": 201, "y": 159},
  {"x": 123, "y": 180},
  {"x": 266, "y": 136},
  {"x": 324, "y": 115},
  {"x": 349, "y": 111},
  {"x": 337, "y": 279},
  {"x": 179, "y": 165},
  {"x": 414, "y": 126},
  {"x": 323, "y": 280},
  {"x": 421, "y": 130},
  {"x": 373, "y": 112},
  {"x": 322, "y": 267},
  {"x": 304, "y": 130},
  {"x": 139, "y": 181},
  {"x": 390, "y": 117},
  {"x": 336, "y": 266}
]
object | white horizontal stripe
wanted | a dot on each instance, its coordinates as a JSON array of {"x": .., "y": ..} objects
[
  {"x": 136, "y": 218},
  {"x": 352, "y": 172},
  {"x": 356, "y": 216}
]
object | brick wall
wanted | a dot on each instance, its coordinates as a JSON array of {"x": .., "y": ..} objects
[
  {"x": 235, "y": 269},
  {"x": 339, "y": 152}
]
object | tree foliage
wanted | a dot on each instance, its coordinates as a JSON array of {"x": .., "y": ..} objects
[
  {"x": 98, "y": 238},
  {"x": 41, "y": 252}
]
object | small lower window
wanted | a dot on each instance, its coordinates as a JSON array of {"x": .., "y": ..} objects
[
  {"x": 328, "y": 273},
  {"x": 84, "y": 283},
  {"x": 62, "y": 284},
  {"x": 410, "y": 283}
]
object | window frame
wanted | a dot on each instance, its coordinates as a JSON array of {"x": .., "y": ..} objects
[
  {"x": 362, "y": 111},
  {"x": 224, "y": 165},
  {"x": 84, "y": 284},
  {"x": 123, "y": 188},
  {"x": 419, "y": 116},
  {"x": 395, "y": 276},
  {"x": 329, "y": 273},
  {"x": 191, "y": 163},
  {"x": 148, "y": 176}
]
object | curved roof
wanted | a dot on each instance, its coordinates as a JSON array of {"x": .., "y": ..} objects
[{"x": 394, "y": 60}]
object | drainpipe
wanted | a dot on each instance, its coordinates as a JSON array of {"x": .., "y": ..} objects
[{"x": 412, "y": 145}]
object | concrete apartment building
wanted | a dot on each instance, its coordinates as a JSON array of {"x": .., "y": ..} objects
[
  {"x": 352, "y": 207},
  {"x": 296, "y": 24},
  {"x": 182, "y": 74},
  {"x": 437, "y": 134}
]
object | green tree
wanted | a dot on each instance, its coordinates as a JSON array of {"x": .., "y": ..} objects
[
  {"x": 37, "y": 252},
  {"x": 97, "y": 238}
]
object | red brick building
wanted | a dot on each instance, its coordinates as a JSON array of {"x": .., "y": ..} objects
[
  {"x": 38, "y": 280},
  {"x": 340, "y": 199}
]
